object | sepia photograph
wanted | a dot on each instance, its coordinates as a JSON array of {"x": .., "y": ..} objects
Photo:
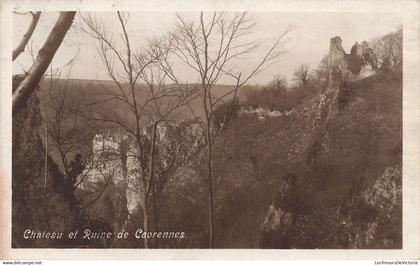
[
  {"x": 208, "y": 129},
  {"x": 203, "y": 130}
]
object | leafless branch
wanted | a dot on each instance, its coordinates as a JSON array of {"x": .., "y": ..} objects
[
  {"x": 27, "y": 36},
  {"x": 41, "y": 63}
]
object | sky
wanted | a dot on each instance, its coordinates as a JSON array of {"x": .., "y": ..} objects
[{"x": 307, "y": 43}]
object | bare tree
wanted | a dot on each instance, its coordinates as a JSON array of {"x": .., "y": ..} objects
[
  {"x": 387, "y": 52},
  {"x": 301, "y": 75},
  {"x": 22, "y": 93},
  {"x": 66, "y": 135},
  {"x": 279, "y": 82},
  {"x": 142, "y": 87},
  {"x": 212, "y": 48},
  {"x": 27, "y": 36},
  {"x": 277, "y": 96},
  {"x": 64, "y": 129}
]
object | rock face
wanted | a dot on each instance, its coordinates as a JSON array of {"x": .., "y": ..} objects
[
  {"x": 116, "y": 156},
  {"x": 342, "y": 68},
  {"x": 275, "y": 231},
  {"x": 380, "y": 209},
  {"x": 175, "y": 143},
  {"x": 109, "y": 154},
  {"x": 281, "y": 215}
]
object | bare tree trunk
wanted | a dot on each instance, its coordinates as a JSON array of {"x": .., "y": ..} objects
[
  {"x": 41, "y": 63},
  {"x": 145, "y": 222},
  {"x": 27, "y": 36},
  {"x": 210, "y": 183},
  {"x": 44, "y": 112},
  {"x": 149, "y": 186},
  {"x": 155, "y": 215}
]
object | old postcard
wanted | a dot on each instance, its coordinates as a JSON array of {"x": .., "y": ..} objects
[{"x": 190, "y": 129}]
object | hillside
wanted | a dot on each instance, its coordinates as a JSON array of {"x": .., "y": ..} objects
[
  {"x": 93, "y": 95},
  {"x": 364, "y": 139}
]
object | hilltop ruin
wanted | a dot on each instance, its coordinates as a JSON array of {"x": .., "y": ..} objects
[{"x": 353, "y": 66}]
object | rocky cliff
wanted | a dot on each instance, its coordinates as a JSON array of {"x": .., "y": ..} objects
[{"x": 352, "y": 153}]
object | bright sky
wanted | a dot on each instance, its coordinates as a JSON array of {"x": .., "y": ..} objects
[{"x": 309, "y": 39}]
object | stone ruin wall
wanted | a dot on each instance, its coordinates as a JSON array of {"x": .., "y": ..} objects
[{"x": 353, "y": 66}]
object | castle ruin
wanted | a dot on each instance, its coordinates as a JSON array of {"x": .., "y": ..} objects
[{"x": 353, "y": 66}]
